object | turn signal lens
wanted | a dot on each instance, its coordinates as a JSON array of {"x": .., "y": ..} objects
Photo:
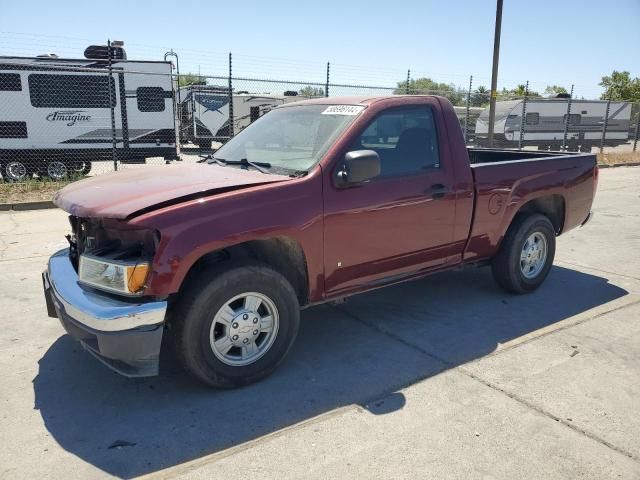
[{"x": 137, "y": 276}]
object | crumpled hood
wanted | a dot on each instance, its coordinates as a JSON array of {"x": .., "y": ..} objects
[{"x": 122, "y": 194}]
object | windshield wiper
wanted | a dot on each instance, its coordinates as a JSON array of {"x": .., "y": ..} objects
[
  {"x": 211, "y": 159},
  {"x": 260, "y": 166}
]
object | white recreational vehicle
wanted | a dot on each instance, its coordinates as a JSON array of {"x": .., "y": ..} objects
[
  {"x": 56, "y": 116},
  {"x": 545, "y": 119},
  {"x": 204, "y": 111}
]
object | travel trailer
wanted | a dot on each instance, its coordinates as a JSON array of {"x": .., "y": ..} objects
[
  {"x": 545, "y": 120},
  {"x": 204, "y": 111},
  {"x": 56, "y": 113}
]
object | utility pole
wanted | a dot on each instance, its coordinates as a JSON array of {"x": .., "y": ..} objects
[{"x": 494, "y": 73}]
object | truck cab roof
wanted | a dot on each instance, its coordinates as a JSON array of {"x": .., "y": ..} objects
[{"x": 360, "y": 100}]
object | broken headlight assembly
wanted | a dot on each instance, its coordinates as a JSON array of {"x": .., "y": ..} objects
[
  {"x": 110, "y": 257},
  {"x": 115, "y": 276}
]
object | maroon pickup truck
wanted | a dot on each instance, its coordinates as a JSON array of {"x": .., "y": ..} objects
[{"x": 315, "y": 201}]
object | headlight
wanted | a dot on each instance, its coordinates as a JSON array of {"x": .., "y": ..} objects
[{"x": 127, "y": 278}]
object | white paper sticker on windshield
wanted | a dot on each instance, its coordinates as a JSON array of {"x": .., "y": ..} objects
[{"x": 343, "y": 110}]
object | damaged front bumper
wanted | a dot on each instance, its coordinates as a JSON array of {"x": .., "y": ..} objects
[{"x": 124, "y": 334}]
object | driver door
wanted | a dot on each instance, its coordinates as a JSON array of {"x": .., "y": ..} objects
[{"x": 400, "y": 222}]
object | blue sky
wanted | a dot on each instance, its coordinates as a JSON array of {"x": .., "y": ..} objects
[{"x": 373, "y": 43}]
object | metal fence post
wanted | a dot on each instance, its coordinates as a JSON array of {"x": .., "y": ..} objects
[
  {"x": 604, "y": 126},
  {"x": 635, "y": 140},
  {"x": 466, "y": 113},
  {"x": 567, "y": 120},
  {"x": 524, "y": 115},
  {"x": 231, "y": 128},
  {"x": 176, "y": 101},
  {"x": 406, "y": 90},
  {"x": 326, "y": 86},
  {"x": 111, "y": 107}
]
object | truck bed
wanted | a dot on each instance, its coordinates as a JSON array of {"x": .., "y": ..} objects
[
  {"x": 505, "y": 180},
  {"x": 494, "y": 155}
]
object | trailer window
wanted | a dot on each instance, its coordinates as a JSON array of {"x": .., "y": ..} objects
[
  {"x": 10, "y": 82},
  {"x": 13, "y": 129},
  {"x": 532, "y": 118},
  {"x": 71, "y": 91},
  {"x": 574, "y": 119},
  {"x": 151, "y": 99},
  {"x": 254, "y": 114}
]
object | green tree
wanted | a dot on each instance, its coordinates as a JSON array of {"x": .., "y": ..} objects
[
  {"x": 480, "y": 98},
  {"x": 553, "y": 90},
  {"x": 191, "y": 79},
  {"x": 310, "y": 91},
  {"x": 426, "y": 86},
  {"x": 620, "y": 86},
  {"x": 518, "y": 91}
]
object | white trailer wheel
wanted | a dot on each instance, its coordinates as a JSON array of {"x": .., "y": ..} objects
[{"x": 57, "y": 170}]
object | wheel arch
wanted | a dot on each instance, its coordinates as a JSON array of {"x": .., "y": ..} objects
[
  {"x": 551, "y": 206},
  {"x": 284, "y": 254}
]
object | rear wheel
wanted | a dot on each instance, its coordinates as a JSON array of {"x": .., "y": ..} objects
[
  {"x": 57, "y": 170},
  {"x": 81, "y": 167},
  {"x": 15, "y": 171},
  {"x": 204, "y": 143},
  {"x": 526, "y": 254},
  {"x": 234, "y": 325}
]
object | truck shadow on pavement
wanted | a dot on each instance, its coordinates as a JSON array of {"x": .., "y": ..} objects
[{"x": 360, "y": 352}]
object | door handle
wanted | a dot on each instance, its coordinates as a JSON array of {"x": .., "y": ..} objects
[{"x": 437, "y": 190}]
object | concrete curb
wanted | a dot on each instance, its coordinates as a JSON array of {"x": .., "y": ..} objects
[
  {"x": 615, "y": 165},
  {"x": 22, "y": 206}
]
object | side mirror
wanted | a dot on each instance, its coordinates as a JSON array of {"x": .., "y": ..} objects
[{"x": 359, "y": 166}]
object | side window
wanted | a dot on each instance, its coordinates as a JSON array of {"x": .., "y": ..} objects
[
  {"x": 13, "y": 130},
  {"x": 574, "y": 119},
  {"x": 254, "y": 114},
  {"x": 532, "y": 118},
  {"x": 405, "y": 139},
  {"x": 150, "y": 99},
  {"x": 10, "y": 82},
  {"x": 71, "y": 91}
]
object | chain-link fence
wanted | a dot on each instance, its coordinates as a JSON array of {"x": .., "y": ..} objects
[{"x": 65, "y": 119}]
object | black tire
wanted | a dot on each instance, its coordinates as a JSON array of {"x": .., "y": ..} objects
[
  {"x": 585, "y": 148},
  {"x": 81, "y": 167},
  {"x": 192, "y": 317},
  {"x": 204, "y": 144},
  {"x": 506, "y": 265}
]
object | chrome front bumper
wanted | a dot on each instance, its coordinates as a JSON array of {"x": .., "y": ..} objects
[{"x": 124, "y": 334}]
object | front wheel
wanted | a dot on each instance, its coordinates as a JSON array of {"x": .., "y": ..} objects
[
  {"x": 526, "y": 254},
  {"x": 15, "y": 171},
  {"x": 233, "y": 325}
]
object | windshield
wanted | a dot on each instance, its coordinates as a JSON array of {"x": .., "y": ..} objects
[{"x": 290, "y": 138}]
